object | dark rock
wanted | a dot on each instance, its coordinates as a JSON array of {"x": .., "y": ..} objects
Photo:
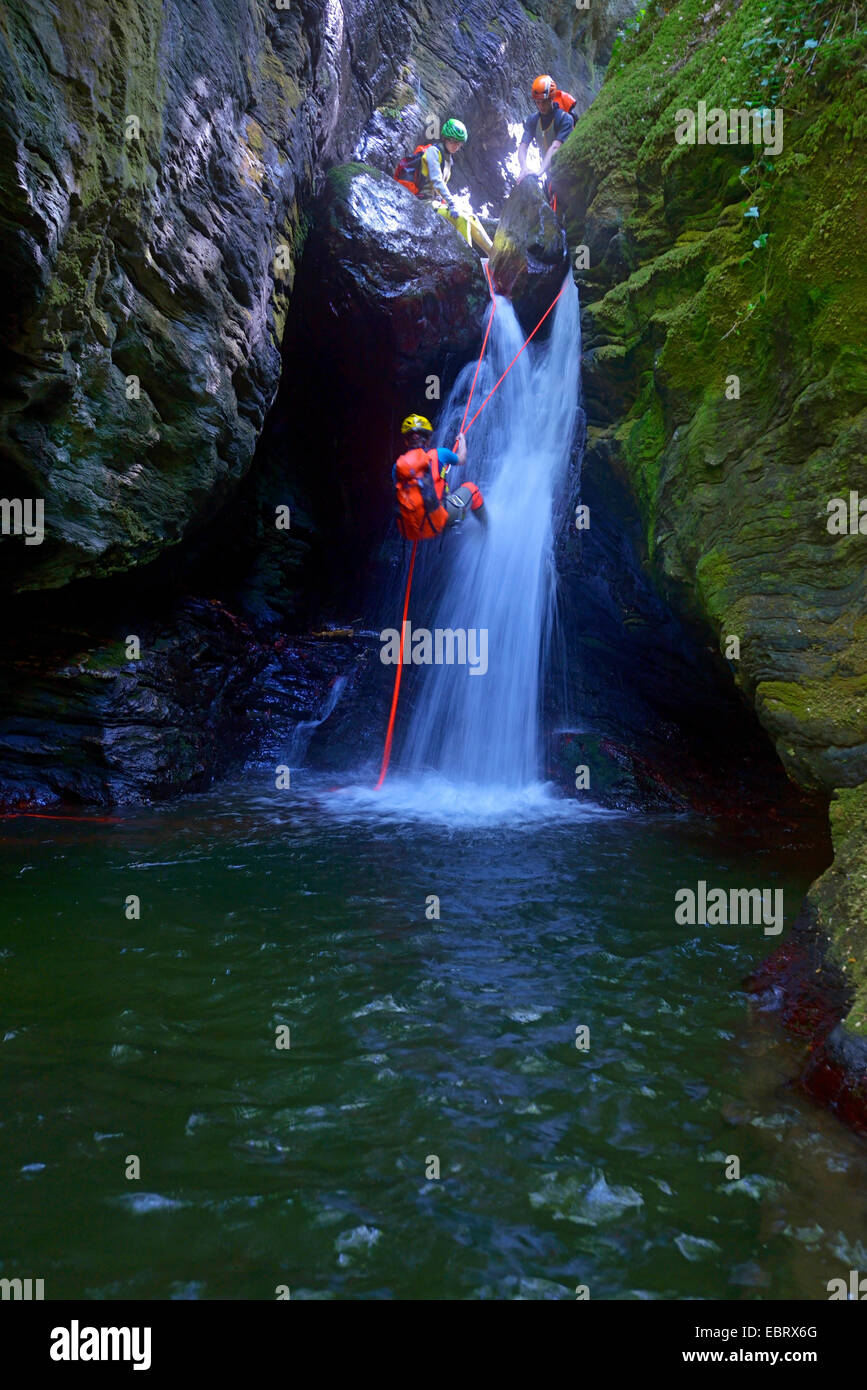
[
  {"x": 392, "y": 277},
  {"x": 83, "y": 723},
  {"x": 803, "y": 981},
  {"x": 530, "y": 257}
]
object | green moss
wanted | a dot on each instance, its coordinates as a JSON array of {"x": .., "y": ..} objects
[
  {"x": 339, "y": 178},
  {"x": 839, "y": 898},
  {"x": 714, "y": 574},
  {"x": 273, "y": 70},
  {"x": 680, "y": 299},
  {"x": 642, "y": 440}
]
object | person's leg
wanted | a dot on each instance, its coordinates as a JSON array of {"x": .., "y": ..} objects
[
  {"x": 467, "y": 498},
  {"x": 457, "y": 221},
  {"x": 477, "y": 506},
  {"x": 481, "y": 240}
]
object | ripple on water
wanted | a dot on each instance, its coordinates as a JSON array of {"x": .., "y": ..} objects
[
  {"x": 569, "y": 1199},
  {"x": 143, "y": 1203}
]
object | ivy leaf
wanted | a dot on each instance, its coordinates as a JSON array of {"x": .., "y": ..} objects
[
  {"x": 760, "y": 241},
  {"x": 811, "y": 43},
  {"x": 751, "y": 212}
]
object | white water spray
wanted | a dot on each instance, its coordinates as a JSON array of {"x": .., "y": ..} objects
[{"x": 483, "y": 732}]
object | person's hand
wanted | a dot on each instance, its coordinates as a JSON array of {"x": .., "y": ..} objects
[{"x": 461, "y": 449}]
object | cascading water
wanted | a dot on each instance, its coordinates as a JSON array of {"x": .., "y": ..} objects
[{"x": 481, "y": 727}]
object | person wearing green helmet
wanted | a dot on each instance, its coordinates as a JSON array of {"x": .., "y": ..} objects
[
  {"x": 431, "y": 180},
  {"x": 435, "y": 169}
]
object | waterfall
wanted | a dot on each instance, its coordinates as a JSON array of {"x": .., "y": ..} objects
[{"x": 482, "y": 729}]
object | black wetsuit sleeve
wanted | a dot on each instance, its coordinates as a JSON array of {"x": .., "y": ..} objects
[{"x": 531, "y": 125}]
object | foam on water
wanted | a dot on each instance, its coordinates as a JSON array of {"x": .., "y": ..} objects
[{"x": 435, "y": 799}]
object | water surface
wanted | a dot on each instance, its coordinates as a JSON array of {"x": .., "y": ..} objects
[{"x": 410, "y": 1037}]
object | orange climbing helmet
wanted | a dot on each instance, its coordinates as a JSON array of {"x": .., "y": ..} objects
[
  {"x": 547, "y": 88},
  {"x": 544, "y": 87}
]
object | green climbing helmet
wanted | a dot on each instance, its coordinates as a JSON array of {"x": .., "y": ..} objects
[{"x": 454, "y": 130}]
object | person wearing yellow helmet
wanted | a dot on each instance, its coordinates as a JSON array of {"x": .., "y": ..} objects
[
  {"x": 549, "y": 127},
  {"x": 424, "y": 505}
]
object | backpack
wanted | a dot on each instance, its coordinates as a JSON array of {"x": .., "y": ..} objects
[
  {"x": 565, "y": 101},
  {"x": 419, "y": 510},
  {"x": 408, "y": 168}
]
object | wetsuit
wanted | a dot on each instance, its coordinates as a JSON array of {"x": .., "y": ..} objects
[
  {"x": 545, "y": 130},
  {"x": 557, "y": 125},
  {"x": 435, "y": 170},
  {"x": 434, "y": 173}
]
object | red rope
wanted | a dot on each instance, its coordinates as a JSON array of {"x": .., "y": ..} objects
[
  {"x": 40, "y": 815},
  {"x": 484, "y": 345},
  {"x": 515, "y": 358},
  {"x": 386, "y": 752}
]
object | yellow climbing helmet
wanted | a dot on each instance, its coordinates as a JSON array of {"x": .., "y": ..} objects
[{"x": 416, "y": 422}]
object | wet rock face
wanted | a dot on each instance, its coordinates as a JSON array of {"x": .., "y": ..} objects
[
  {"x": 391, "y": 300},
  {"x": 477, "y": 61},
  {"x": 207, "y": 693},
  {"x": 530, "y": 257},
  {"x": 643, "y": 700},
  {"x": 724, "y": 373},
  {"x": 725, "y": 362},
  {"x": 156, "y": 160},
  {"x": 390, "y": 271},
  {"x": 85, "y": 723}
]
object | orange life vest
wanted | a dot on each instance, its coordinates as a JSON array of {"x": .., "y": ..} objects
[
  {"x": 409, "y": 167},
  {"x": 419, "y": 490},
  {"x": 564, "y": 100}
]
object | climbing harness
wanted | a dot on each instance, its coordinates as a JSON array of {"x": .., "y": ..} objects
[{"x": 386, "y": 752}]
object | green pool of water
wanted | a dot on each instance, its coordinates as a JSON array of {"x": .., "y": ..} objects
[{"x": 411, "y": 1039}]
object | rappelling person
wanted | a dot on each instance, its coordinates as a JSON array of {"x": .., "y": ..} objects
[
  {"x": 550, "y": 126},
  {"x": 426, "y": 173},
  {"x": 424, "y": 505}
]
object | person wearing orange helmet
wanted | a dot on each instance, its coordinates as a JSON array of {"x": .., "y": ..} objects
[{"x": 549, "y": 127}]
